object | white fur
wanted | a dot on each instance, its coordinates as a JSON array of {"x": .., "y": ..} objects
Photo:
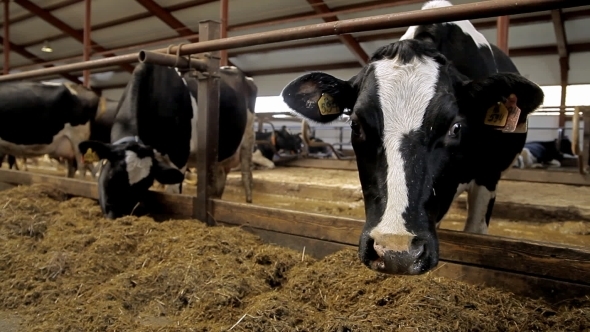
[
  {"x": 404, "y": 90},
  {"x": 477, "y": 206},
  {"x": 465, "y": 25},
  {"x": 68, "y": 85},
  {"x": 137, "y": 168}
]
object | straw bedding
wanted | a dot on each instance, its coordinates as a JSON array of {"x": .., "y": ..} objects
[{"x": 64, "y": 268}]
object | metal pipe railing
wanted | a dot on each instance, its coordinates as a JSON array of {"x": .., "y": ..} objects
[
  {"x": 470, "y": 11},
  {"x": 172, "y": 60}
]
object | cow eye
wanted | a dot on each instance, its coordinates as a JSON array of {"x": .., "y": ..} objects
[
  {"x": 455, "y": 130},
  {"x": 356, "y": 128}
]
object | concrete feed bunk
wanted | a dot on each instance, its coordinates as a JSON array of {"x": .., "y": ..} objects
[{"x": 64, "y": 267}]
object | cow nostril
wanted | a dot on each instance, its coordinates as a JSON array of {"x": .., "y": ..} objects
[{"x": 379, "y": 249}]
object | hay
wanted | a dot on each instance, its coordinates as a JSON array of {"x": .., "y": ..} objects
[{"x": 64, "y": 268}]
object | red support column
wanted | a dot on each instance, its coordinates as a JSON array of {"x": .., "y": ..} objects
[
  {"x": 87, "y": 46},
  {"x": 502, "y": 27},
  {"x": 224, "y": 17}
]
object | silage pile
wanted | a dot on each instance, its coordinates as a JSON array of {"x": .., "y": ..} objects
[{"x": 64, "y": 268}]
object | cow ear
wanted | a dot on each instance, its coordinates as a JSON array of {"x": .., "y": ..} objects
[
  {"x": 319, "y": 97},
  {"x": 166, "y": 174},
  {"x": 475, "y": 98},
  {"x": 93, "y": 151}
]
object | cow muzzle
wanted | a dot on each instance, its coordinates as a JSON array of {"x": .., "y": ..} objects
[{"x": 418, "y": 257}]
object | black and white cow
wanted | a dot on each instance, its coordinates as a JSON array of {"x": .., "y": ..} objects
[
  {"x": 46, "y": 118},
  {"x": 154, "y": 132},
  {"x": 537, "y": 154},
  {"x": 427, "y": 116},
  {"x": 278, "y": 140}
]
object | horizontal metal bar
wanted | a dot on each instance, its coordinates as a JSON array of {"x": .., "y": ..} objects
[
  {"x": 490, "y": 8},
  {"x": 171, "y": 60},
  {"x": 92, "y": 64}
]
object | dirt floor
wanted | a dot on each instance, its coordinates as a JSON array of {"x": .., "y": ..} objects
[{"x": 64, "y": 268}]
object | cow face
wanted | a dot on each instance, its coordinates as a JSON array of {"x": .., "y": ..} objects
[
  {"x": 129, "y": 172},
  {"x": 415, "y": 121},
  {"x": 287, "y": 141}
]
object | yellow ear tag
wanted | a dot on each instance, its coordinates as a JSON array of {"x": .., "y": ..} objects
[
  {"x": 496, "y": 115},
  {"x": 327, "y": 106},
  {"x": 90, "y": 156}
]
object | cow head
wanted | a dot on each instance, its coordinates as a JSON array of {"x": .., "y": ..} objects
[
  {"x": 287, "y": 141},
  {"x": 414, "y": 121},
  {"x": 88, "y": 101},
  {"x": 129, "y": 172}
]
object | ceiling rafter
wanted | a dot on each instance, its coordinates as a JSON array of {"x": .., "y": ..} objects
[
  {"x": 127, "y": 19},
  {"x": 480, "y": 23},
  {"x": 59, "y": 24},
  {"x": 163, "y": 15},
  {"x": 50, "y": 8},
  {"x": 352, "y": 44},
  {"x": 23, "y": 52}
]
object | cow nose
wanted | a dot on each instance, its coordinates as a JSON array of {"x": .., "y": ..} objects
[{"x": 415, "y": 260}]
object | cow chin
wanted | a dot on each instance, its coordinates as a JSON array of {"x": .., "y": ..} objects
[{"x": 398, "y": 254}]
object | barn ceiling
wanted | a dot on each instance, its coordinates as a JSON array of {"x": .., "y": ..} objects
[{"x": 121, "y": 27}]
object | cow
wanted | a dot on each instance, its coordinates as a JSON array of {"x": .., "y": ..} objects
[
  {"x": 432, "y": 115},
  {"x": 154, "y": 133},
  {"x": 276, "y": 141},
  {"x": 45, "y": 118},
  {"x": 536, "y": 154}
]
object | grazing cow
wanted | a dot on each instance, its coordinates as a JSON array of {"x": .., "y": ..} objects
[
  {"x": 45, "y": 118},
  {"x": 278, "y": 140},
  {"x": 432, "y": 115},
  {"x": 535, "y": 154},
  {"x": 154, "y": 132}
]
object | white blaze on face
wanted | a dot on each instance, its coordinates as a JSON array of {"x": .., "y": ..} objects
[
  {"x": 137, "y": 168},
  {"x": 404, "y": 92}
]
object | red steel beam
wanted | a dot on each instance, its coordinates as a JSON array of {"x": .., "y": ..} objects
[
  {"x": 6, "y": 43},
  {"x": 23, "y": 52},
  {"x": 50, "y": 8},
  {"x": 165, "y": 16},
  {"x": 127, "y": 19},
  {"x": 170, "y": 20},
  {"x": 87, "y": 27},
  {"x": 479, "y": 24},
  {"x": 59, "y": 24},
  {"x": 224, "y": 15},
  {"x": 353, "y": 46},
  {"x": 564, "y": 59},
  {"x": 471, "y": 11},
  {"x": 503, "y": 25}
]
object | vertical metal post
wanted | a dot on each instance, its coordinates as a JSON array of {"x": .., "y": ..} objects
[
  {"x": 341, "y": 137},
  {"x": 6, "y": 45},
  {"x": 224, "y": 18},
  {"x": 502, "y": 26},
  {"x": 207, "y": 126},
  {"x": 564, "y": 71},
  {"x": 87, "y": 49}
]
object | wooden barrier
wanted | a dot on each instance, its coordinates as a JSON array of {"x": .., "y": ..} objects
[
  {"x": 558, "y": 176},
  {"x": 528, "y": 268}
]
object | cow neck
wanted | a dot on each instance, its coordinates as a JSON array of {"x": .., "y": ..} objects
[{"x": 128, "y": 139}]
